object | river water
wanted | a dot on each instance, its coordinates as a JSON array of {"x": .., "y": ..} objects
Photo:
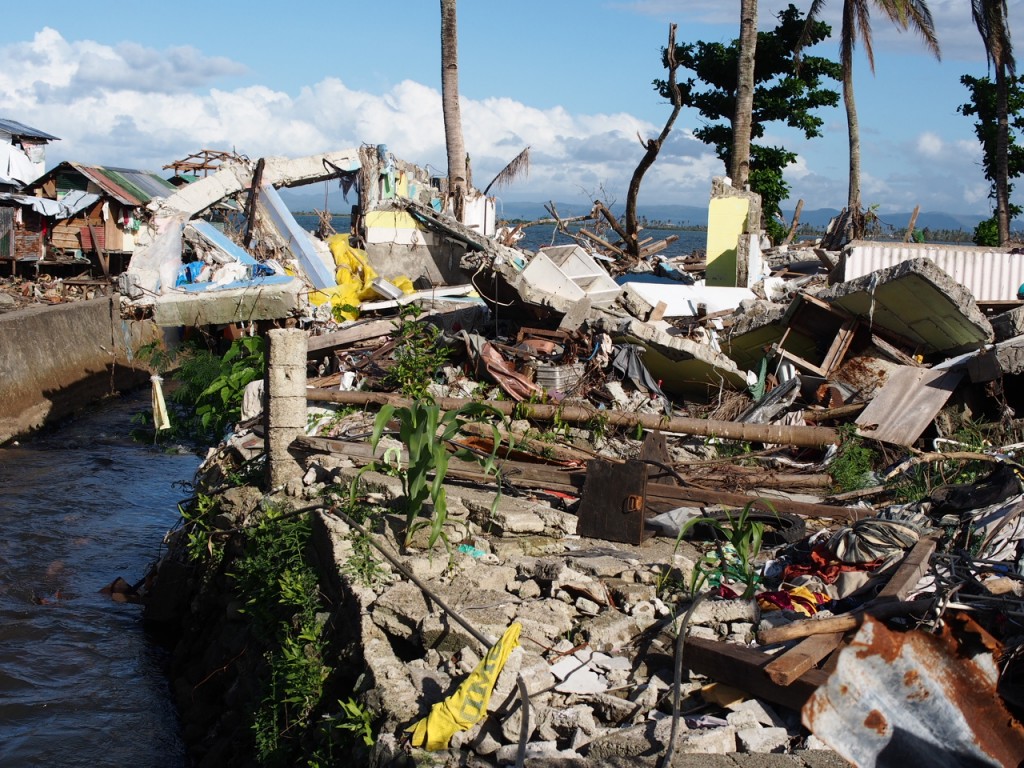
[{"x": 81, "y": 683}]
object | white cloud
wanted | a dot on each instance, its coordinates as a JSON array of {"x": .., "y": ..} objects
[
  {"x": 132, "y": 106},
  {"x": 929, "y": 145}
]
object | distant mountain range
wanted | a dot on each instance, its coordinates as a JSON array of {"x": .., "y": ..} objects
[
  {"x": 682, "y": 215},
  {"x": 698, "y": 215}
]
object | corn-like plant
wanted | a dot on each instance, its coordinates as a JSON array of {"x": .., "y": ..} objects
[
  {"x": 425, "y": 432},
  {"x": 738, "y": 540}
]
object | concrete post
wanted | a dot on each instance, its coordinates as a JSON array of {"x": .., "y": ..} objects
[{"x": 285, "y": 415}]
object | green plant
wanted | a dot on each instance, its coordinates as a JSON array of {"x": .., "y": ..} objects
[
  {"x": 220, "y": 404},
  {"x": 282, "y": 598},
  {"x": 200, "y": 542},
  {"x": 355, "y": 719},
  {"x": 425, "y": 433},
  {"x": 851, "y": 467},
  {"x": 738, "y": 541},
  {"x": 417, "y": 355}
]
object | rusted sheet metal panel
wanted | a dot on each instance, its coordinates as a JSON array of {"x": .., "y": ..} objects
[
  {"x": 991, "y": 274},
  {"x": 915, "y": 699},
  {"x": 902, "y": 409}
]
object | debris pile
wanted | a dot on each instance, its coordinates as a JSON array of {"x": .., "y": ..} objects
[{"x": 714, "y": 494}]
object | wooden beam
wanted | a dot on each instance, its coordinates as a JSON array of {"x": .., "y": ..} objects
[
  {"x": 788, "y": 666},
  {"x": 799, "y": 436},
  {"x": 745, "y": 668},
  {"x": 550, "y": 478},
  {"x": 795, "y": 224}
]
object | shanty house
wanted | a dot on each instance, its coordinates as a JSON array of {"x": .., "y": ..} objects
[
  {"x": 22, "y": 151},
  {"x": 103, "y": 207},
  {"x": 22, "y": 160}
]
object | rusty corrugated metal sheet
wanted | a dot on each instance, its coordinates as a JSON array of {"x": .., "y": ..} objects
[
  {"x": 991, "y": 274},
  {"x": 128, "y": 187},
  {"x": 916, "y": 699}
]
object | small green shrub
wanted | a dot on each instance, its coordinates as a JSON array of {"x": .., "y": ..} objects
[
  {"x": 282, "y": 598},
  {"x": 738, "y": 543},
  {"x": 851, "y": 468},
  {"x": 417, "y": 355}
]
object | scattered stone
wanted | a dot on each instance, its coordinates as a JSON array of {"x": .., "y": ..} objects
[{"x": 762, "y": 740}]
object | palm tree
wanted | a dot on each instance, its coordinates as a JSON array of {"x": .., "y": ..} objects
[
  {"x": 991, "y": 18},
  {"x": 905, "y": 14},
  {"x": 741, "y": 124},
  {"x": 457, "y": 166}
]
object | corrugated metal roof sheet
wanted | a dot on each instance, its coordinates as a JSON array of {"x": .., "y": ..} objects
[
  {"x": 127, "y": 186},
  {"x": 991, "y": 274},
  {"x": 20, "y": 129}
]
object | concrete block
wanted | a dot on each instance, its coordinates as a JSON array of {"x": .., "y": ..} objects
[
  {"x": 399, "y": 609},
  {"x": 761, "y": 740},
  {"x": 714, "y": 612},
  {"x": 713, "y": 741},
  {"x": 611, "y": 630}
]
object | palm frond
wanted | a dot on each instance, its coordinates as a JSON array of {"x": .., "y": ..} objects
[{"x": 519, "y": 167}]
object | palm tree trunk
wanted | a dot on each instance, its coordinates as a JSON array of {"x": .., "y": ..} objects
[
  {"x": 740, "y": 167},
  {"x": 455, "y": 145},
  {"x": 1002, "y": 156},
  {"x": 853, "y": 203}
]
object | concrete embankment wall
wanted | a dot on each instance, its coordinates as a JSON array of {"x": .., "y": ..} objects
[{"x": 55, "y": 360}]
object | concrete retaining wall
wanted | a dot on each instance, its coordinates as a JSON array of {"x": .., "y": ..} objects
[{"x": 57, "y": 359}]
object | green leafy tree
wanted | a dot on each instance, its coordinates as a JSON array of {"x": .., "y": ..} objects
[
  {"x": 781, "y": 94},
  {"x": 984, "y": 106}
]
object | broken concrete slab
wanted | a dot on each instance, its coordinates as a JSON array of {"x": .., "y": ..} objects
[
  {"x": 917, "y": 301},
  {"x": 683, "y": 366},
  {"x": 258, "y": 300}
]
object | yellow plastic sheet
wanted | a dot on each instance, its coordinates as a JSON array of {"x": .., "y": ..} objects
[
  {"x": 354, "y": 276},
  {"x": 464, "y": 708}
]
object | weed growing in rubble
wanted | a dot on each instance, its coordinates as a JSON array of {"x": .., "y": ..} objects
[
  {"x": 851, "y": 468},
  {"x": 417, "y": 355},
  {"x": 220, "y": 404},
  {"x": 738, "y": 541},
  {"x": 426, "y": 433},
  {"x": 282, "y": 597},
  {"x": 200, "y": 542}
]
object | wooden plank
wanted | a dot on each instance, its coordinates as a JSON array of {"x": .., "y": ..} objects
[
  {"x": 101, "y": 254},
  {"x": 842, "y": 623},
  {"x": 744, "y": 668},
  {"x": 910, "y": 571},
  {"x": 789, "y": 665},
  {"x": 906, "y": 404},
  {"x": 361, "y": 332}
]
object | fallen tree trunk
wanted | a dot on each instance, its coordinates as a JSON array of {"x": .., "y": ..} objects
[{"x": 801, "y": 437}]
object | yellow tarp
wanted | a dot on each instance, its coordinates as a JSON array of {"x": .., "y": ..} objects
[
  {"x": 464, "y": 708},
  {"x": 354, "y": 276}
]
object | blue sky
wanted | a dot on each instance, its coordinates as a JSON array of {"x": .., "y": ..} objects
[{"x": 142, "y": 85}]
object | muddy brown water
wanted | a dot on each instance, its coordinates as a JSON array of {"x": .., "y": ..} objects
[{"x": 81, "y": 682}]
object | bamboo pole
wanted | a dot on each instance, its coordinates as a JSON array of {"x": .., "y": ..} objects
[{"x": 799, "y": 436}]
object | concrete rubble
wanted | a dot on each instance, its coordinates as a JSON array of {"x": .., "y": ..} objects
[{"x": 655, "y": 417}]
